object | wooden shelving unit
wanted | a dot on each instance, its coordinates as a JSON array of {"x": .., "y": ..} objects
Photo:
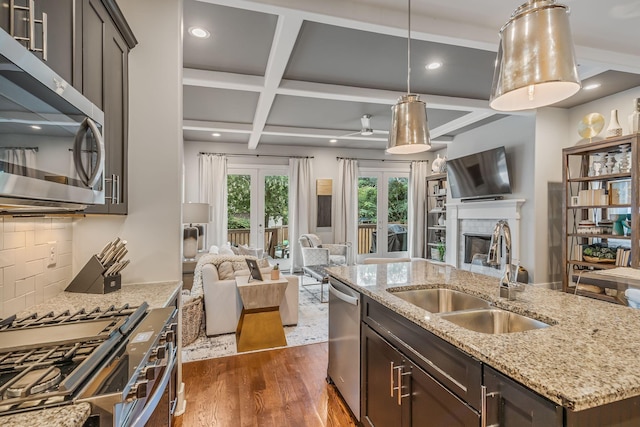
[
  {"x": 436, "y": 233},
  {"x": 579, "y": 174}
]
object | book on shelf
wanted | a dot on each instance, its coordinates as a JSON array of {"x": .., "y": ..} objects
[
  {"x": 623, "y": 256},
  {"x": 576, "y": 254}
]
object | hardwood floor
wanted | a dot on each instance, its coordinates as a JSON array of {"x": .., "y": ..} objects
[{"x": 284, "y": 387}]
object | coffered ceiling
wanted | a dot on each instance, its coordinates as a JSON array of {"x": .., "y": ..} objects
[{"x": 303, "y": 72}]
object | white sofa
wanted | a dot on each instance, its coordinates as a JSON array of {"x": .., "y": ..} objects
[{"x": 222, "y": 303}]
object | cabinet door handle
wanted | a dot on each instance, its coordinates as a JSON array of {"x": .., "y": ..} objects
[
  {"x": 117, "y": 189},
  {"x": 32, "y": 25},
  {"x": 401, "y": 374},
  {"x": 391, "y": 379},
  {"x": 45, "y": 45},
  {"x": 483, "y": 406}
]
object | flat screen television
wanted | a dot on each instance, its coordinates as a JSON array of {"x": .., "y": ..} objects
[{"x": 479, "y": 176}]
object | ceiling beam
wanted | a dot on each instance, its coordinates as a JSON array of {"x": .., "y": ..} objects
[
  {"x": 208, "y": 126},
  {"x": 222, "y": 80},
  {"x": 284, "y": 40},
  {"x": 375, "y": 96},
  {"x": 290, "y": 131},
  {"x": 466, "y": 120}
]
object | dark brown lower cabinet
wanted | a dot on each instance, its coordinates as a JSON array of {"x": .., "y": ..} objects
[
  {"x": 397, "y": 393},
  {"x": 511, "y": 404}
]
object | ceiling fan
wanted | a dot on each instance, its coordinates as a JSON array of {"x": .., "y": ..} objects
[{"x": 366, "y": 129}]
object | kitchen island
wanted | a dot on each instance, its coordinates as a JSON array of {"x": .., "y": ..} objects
[
  {"x": 584, "y": 360},
  {"x": 156, "y": 295}
]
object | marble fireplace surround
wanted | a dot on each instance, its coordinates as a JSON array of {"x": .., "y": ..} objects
[{"x": 480, "y": 218}]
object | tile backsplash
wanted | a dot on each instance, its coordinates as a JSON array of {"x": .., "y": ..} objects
[{"x": 28, "y": 275}]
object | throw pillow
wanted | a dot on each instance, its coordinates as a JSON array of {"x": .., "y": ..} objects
[
  {"x": 214, "y": 250},
  {"x": 314, "y": 240},
  {"x": 240, "y": 265},
  {"x": 225, "y": 270},
  {"x": 225, "y": 250}
]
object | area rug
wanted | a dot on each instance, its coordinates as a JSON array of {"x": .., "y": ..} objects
[{"x": 312, "y": 327}]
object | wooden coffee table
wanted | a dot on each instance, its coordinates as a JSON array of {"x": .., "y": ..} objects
[{"x": 260, "y": 324}]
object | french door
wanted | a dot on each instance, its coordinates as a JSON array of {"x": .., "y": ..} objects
[
  {"x": 383, "y": 216},
  {"x": 257, "y": 207}
]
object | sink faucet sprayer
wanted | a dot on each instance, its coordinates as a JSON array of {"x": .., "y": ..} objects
[{"x": 508, "y": 281}]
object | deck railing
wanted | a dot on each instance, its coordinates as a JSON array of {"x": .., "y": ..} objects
[
  {"x": 365, "y": 237},
  {"x": 274, "y": 236}
]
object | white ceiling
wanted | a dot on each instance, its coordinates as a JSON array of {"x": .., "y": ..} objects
[{"x": 299, "y": 72}]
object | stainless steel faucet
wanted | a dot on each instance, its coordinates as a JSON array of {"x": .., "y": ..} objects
[{"x": 508, "y": 282}]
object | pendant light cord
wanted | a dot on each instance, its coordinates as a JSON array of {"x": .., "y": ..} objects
[{"x": 409, "y": 47}]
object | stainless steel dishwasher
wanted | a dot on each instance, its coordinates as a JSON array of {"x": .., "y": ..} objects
[{"x": 344, "y": 343}]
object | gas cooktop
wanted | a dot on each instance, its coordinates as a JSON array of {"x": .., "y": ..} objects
[{"x": 45, "y": 359}]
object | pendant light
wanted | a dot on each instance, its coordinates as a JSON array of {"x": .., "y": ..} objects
[
  {"x": 409, "y": 132},
  {"x": 536, "y": 63}
]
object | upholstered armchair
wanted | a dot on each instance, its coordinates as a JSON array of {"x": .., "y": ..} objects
[{"x": 314, "y": 252}]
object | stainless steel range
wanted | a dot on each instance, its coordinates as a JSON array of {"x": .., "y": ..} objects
[{"x": 121, "y": 360}]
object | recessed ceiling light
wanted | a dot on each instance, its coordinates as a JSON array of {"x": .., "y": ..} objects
[
  {"x": 433, "y": 65},
  {"x": 333, "y": 141},
  {"x": 199, "y": 32},
  {"x": 36, "y": 127},
  {"x": 216, "y": 134},
  {"x": 592, "y": 86}
]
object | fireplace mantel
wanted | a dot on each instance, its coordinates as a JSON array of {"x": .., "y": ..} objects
[{"x": 508, "y": 209}]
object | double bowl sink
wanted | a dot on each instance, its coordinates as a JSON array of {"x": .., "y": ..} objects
[{"x": 469, "y": 311}]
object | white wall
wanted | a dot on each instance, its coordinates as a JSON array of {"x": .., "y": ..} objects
[
  {"x": 551, "y": 128},
  {"x": 622, "y": 101},
  {"x": 153, "y": 226},
  {"x": 324, "y": 164},
  {"x": 517, "y": 135}
]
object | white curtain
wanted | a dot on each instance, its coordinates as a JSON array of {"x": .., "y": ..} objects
[
  {"x": 213, "y": 190},
  {"x": 21, "y": 161},
  {"x": 346, "y": 226},
  {"x": 417, "y": 208},
  {"x": 299, "y": 207}
]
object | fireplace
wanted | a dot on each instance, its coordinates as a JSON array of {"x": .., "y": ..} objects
[{"x": 476, "y": 245}]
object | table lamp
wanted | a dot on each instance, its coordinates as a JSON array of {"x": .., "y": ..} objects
[{"x": 193, "y": 236}]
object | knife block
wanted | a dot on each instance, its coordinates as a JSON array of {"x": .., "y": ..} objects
[{"x": 91, "y": 279}]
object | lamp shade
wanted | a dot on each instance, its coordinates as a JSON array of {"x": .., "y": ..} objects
[
  {"x": 409, "y": 132},
  {"x": 536, "y": 61},
  {"x": 195, "y": 213}
]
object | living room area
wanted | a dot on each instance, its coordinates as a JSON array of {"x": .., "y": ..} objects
[{"x": 259, "y": 193}]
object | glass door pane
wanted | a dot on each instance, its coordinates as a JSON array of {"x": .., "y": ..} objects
[
  {"x": 275, "y": 214},
  {"x": 367, "y": 214},
  {"x": 239, "y": 209},
  {"x": 397, "y": 214}
]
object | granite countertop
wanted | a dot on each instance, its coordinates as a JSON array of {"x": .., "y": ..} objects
[
  {"x": 587, "y": 358},
  {"x": 62, "y": 416},
  {"x": 155, "y": 294}
]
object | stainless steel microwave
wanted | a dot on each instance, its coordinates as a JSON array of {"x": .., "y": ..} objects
[{"x": 51, "y": 147}]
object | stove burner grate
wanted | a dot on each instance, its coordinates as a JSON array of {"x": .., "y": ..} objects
[
  {"x": 34, "y": 381},
  {"x": 35, "y": 320}
]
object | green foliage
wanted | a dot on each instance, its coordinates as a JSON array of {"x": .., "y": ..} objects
[
  {"x": 239, "y": 200},
  {"x": 235, "y": 223},
  {"x": 238, "y": 195},
  {"x": 276, "y": 203},
  {"x": 398, "y": 200},
  {"x": 368, "y": 203}
]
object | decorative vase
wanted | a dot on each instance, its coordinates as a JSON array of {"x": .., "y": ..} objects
[
  {"x": 443, "y": 165},
  {"x": 625, "y": 163},
  {"x": 634, "y": 118},
  {"x": 441, "y": 220},
  {"x": 614, "y": 128},
  {"x": 435, "y": 166}
]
